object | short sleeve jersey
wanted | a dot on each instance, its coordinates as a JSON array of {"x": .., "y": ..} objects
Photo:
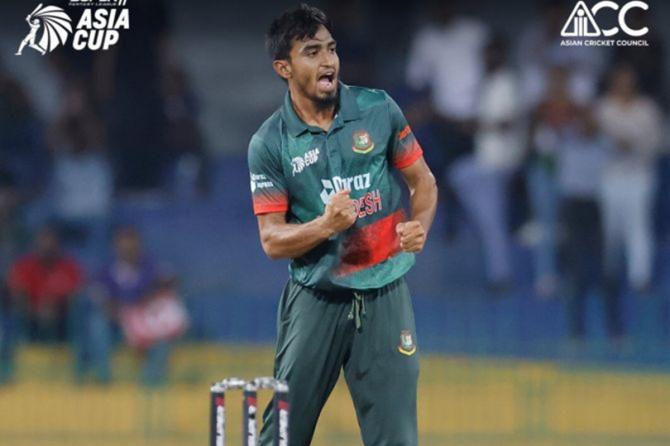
[{"x": 296, "y": 168}]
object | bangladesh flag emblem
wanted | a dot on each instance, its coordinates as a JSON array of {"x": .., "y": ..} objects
[
  {"x": 362, "y": 142},
  {"x": 407, "y": 345}
]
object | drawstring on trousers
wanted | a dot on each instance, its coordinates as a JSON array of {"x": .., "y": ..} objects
[{"x": 357, "y": 310}]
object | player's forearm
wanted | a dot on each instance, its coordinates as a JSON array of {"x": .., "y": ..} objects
[
  {"x": 294, "y": 240},
  {"x": 423, "y": 201}
]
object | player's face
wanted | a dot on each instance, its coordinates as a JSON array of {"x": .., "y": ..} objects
[{"x": 315, "y": 67}]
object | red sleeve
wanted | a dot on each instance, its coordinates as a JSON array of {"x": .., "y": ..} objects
[
  {"x": 268, "y": 203},
  {"x": 268, "y": 185},
  {"x": 408, "y": 151},
  {"x": 405, "y": 149}
]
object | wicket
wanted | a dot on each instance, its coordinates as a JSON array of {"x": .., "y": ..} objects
[{"x": 250, "y": 388}]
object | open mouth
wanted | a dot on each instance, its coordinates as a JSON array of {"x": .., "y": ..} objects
[{"x": 326, "y": 81}]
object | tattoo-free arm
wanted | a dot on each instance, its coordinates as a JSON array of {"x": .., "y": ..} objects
[
  {"x": 422, "y": 191},
  {"x": 281, "y": 239},
  {"x": 289, "y": 240}
]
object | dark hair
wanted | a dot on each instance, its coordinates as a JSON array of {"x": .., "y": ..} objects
[{"x": 295, "y": 24}]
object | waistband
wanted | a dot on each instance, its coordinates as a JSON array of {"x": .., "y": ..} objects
[{"x": 346, "y": 294}]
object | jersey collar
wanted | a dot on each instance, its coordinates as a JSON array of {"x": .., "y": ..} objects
[{"x": 347, "y": 111}]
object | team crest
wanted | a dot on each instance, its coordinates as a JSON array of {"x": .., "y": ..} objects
[
  {"x": 362, "y": 142},
  {"x": 407, "y": 345}
]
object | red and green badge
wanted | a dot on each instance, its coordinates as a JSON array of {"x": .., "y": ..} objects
[{"x": 362, "y": 142}]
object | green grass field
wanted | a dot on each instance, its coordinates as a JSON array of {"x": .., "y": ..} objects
[{"x": 462, "y": 401}]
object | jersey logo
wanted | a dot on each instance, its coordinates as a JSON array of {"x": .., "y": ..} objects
[
  {"x": 336, "y": 184},
  {"x": 362, "y": 142},
  {"x": 300, "y": 162},
  {"x": 407, "y": 345},
  {"x": 260, "y": 181}
]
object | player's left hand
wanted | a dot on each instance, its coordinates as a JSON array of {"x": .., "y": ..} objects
[{"x": 412, "y": 235}]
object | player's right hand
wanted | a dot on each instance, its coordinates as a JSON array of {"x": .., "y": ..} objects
[{"x": 340, "y": 212}]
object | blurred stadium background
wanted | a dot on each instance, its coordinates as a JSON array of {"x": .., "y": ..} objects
[{"x": 153, "y": 135}]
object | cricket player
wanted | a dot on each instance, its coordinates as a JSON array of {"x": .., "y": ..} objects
[{"x": 326, "y": 197}]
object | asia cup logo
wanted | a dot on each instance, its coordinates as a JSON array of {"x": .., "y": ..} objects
[
  {"x": 300, "y": 162},
  {"x": 98, "y": 27},
  {"x": 57, "y": 27}
]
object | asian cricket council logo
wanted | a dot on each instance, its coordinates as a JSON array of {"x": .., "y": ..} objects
[
  {"x": 407, "y": 345},
  {"x": 362, "y": 142},
  {"x": 583, "y": 22},
  {"x": 57, "y": 27}
]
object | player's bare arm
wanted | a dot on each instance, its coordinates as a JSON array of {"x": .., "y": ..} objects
[
  {"x": 423, "y": 200},
  {"x": 289, "y": 240}
]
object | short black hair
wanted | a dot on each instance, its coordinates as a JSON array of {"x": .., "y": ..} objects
[{"x": 298, "y": 23}]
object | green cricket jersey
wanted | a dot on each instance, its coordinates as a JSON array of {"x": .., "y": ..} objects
[{"x": 296, "y": 168}]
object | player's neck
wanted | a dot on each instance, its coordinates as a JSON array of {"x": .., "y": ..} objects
[{"x": 313, "y": 113}]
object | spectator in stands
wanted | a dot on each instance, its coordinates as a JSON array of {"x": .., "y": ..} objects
[
  {"x": 539, "y": 50},
  {"x": 128, "y": 288},
  {"x": 650, "y": 64},
  {"x": 632, "y": 121},
  {"x": 445, "y": 67},
  {"x": 481, "y": 180},
  {"x": 21, "y": 136},
  {"x": 581, "y": 156},
  {"x": 133, "y": 93},
  {"x": 649, "y": 61},
  {"x": 11, "y": 235},
  {"x": 11, "y": 228},
  {"x": 183, "y": 140},
  {"x": 555, "y": 113},
  {"x": 355, "y": 40},
  {"x": 43, "y": 285},
  {"x": 453, "y": 87},
  {"x": 81, "y": 186}
]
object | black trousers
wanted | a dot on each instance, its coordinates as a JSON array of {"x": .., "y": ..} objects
[{"x": 583, "y": 266}]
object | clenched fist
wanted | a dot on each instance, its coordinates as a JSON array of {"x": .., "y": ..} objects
[
  {"x": 412, "y": 235},
  {"x": 340, "y": 212}
]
